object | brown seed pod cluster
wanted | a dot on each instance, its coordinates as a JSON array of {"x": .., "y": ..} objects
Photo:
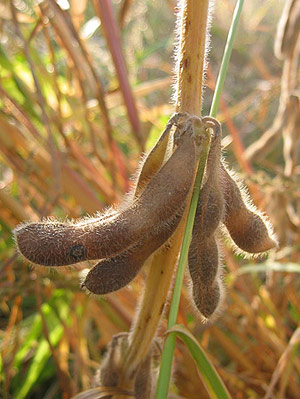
[
  {"x": 123, "y": 238},
  {"x": 221, "y": 201}
]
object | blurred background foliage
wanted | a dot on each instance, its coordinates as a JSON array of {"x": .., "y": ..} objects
[{"x": 85, "y": 88}]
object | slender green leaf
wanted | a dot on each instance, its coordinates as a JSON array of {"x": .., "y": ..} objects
[
  {"x": 226, "y": 58},
  {"x": 40, "y": 359},
  {"x": 60, "y": 301},
  {"x": 212, "y": 380},
  {"x": 29, "y": 343},
  {"x": 35, "y": 340}
]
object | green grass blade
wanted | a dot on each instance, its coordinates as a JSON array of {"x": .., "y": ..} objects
[
  {"x": 60, "y": 301},
  {"x": 38, "y": 363},
  {"x": 226, "y": 57},
  {"x": 32, "y": 337},
  {"x": 212, "y": 380},
  {"x": 35, "y": 339}
]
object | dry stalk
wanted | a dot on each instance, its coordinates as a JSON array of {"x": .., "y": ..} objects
[
  {"x": 66, "y": 33},
  {"x": 111, "y": 32},
  {"x": 42, "y": 103},
  {"x": 286, "y": 122}
]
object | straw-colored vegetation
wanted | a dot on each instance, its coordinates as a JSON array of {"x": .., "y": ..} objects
[{"x": 85, "y": 89}]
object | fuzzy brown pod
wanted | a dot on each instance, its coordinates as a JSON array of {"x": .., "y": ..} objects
[
  {"x": 249, "y": 230},
  {"x": 205, "y": 268},
  {"x": 210, "y": 207},
  {"x": 150, "y": 165},
  {"x": 52, "y": 243},
  {"x": 111, "y": 365},
  {"x": 203, "y": 258},
  {"x": 111, "y": 369},
  {"x": 208, "y": 298},
  {"x": 143, "y": 386},
  {"x": 204, "y": 261},
  {"x": 112, "y": 274}
]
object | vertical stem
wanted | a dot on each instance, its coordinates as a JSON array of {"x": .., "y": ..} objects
[{"x": 192, "y": 31}]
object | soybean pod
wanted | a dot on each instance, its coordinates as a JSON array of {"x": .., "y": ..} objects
[{"x": 52, "y": 243}]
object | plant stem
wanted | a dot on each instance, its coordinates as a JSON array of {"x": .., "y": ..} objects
[{"x": 192, "y": 32}]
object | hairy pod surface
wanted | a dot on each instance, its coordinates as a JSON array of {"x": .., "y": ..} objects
[
  {"x": 51, "y": 243},
  {"x": 111, "y": 365},
  {"x": 204, "y": 261},
  {"x": 143, "y": 382},
  {"x": 210, "y": 211},
  {"x": 150, "y": 165},
  {"x": 115, "y": 273},
  {"x": 208, "y": 299},
  {"x": 246, "y": 227},
  {"x": 210, "y": 206},
  {"x": 203, "y": 258},
  {"x": 111, "y": 371}
]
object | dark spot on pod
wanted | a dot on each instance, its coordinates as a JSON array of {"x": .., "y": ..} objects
[{"x": 77, "y": 252}]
